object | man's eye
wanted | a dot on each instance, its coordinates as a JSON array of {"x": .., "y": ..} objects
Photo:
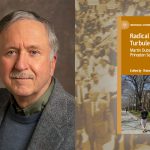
[
  {"x": 34, "y": 52},
  {"x": 11, "y": 53}
]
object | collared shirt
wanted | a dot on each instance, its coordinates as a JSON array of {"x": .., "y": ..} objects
[{"x": 38, "y": 106}]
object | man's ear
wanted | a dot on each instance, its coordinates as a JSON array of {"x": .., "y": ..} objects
[
  {"x": 53, "y": 64},
  {"x": 55, "y": 56},
  {"x": 52, "y": 55}
]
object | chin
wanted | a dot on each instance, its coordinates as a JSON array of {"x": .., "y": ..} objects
[
  {"x": 20, "y": 89},
  {"x": 22, "y": 92}
]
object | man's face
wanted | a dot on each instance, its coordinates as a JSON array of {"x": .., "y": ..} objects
[{"x": 25, "y": 65}]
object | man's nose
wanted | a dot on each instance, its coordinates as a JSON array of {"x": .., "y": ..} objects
[{"x": 21, "y": 62}]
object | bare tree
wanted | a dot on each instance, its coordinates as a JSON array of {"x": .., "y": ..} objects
[{"x": 138, "y": 83}]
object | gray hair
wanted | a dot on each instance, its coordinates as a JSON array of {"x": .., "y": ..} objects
[{"x": 20, "y": 14}]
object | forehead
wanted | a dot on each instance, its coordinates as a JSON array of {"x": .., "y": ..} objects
[{"x": 25, "y": 30}]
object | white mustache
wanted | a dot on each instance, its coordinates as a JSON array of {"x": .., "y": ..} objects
[{"x": 21, "y": 75}]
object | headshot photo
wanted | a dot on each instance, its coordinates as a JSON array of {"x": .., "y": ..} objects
[{"x": 37, "y": 109}]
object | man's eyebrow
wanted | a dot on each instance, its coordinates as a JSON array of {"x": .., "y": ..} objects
[
  {"x": 7, "y": 47},
  {"x": 11, "y": 47},
  {"x": 32, "y": 47}
]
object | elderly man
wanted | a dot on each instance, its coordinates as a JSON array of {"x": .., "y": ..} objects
[{"x": 35, "y": 111}]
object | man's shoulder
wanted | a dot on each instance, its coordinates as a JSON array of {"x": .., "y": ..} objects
[
  {"x": 4, "y": 96},
  {"x": 60, "y": 92},
  {"x": 62, "y": 103}
]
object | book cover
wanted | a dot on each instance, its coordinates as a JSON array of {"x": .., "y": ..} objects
[{"x": 133, "y": 74}]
